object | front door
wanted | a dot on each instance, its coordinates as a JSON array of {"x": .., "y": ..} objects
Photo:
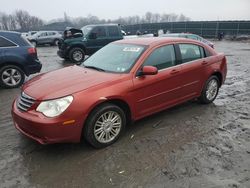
[{"x": 156, "y": 92}]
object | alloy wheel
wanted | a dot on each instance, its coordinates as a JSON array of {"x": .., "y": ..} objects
[
  {"x": 11, "y": 77},
  {"x": 107, "y": 127},
  {"x": 212, "y": 89}
]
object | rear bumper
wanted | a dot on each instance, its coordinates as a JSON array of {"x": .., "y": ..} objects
[
  {"x": 33, "y": 68},
  {"x": 45, "y": 130}
]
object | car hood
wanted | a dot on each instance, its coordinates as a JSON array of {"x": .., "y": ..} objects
[{"x": 65, "y": 82}]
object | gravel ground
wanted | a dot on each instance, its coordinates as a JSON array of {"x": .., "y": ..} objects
[{"x": 191, "y": 145}]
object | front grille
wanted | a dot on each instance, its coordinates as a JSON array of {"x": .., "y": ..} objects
[{"x": 25, "y": 102}]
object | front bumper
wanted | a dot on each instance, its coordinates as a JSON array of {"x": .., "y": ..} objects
[
  {"x": 61, "y": 53},
  {"x": 46, "y": 130}
]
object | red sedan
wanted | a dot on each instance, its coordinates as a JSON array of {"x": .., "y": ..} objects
[{"x": 124, "y": 81}]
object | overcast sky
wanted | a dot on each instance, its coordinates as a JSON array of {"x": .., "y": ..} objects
[{"x": 110, "y": 9}]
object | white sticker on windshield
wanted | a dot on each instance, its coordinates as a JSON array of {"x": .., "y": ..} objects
[{"x": 131, "y": 49}]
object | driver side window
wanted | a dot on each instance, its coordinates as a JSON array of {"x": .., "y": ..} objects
[
  {"x": 99, "y": 31},
  {"x": 162, "y": 57}
]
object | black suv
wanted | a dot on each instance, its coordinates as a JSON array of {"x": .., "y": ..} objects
[{"x": 17, "y": 59}]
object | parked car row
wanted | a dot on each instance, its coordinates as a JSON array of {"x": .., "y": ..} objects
[
  {"x": 124, "y": 81},
  {"x": 77, "y": 43}
]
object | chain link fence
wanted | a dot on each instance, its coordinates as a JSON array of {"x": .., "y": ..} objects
[{"x": 207, "y": 29}]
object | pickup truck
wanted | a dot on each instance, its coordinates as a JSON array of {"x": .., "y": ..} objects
[{"x": 77, "y": 43}]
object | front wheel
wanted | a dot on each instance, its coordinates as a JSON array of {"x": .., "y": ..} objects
[
  {"x": 210, "y": 90},
  {"x": 104, "y": 125},
  {"x": 76, "y": 55},
  {"x": 11, "y": 76}
]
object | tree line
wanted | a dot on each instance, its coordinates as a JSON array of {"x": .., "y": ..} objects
[
  {"x": 23, "y": 21},
  {"x": 19, "y": 20},
  {"x": 149, "y": 17}
]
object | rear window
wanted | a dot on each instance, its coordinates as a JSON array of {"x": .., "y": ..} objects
[
  {"x": 6, "y": 43},
  {"x": 25, "y": 42}
]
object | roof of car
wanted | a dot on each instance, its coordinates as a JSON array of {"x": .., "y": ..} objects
[
  {"x": 177, "y": 34},
  {"x": 9, "y": 33},
  {"x": 110, "y": 24},
  {"x": 153, "y": 40}
]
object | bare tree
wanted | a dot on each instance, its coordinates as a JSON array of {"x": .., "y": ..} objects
[{"x": 20, "y": 20}]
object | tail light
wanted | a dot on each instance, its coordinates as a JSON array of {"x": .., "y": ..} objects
[{"x": 32, "y": 50}]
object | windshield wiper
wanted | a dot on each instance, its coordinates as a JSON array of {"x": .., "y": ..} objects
[{"x": 96, "y": 68}]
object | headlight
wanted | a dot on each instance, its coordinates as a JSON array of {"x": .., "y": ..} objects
[{"x": 53, "y": 108}]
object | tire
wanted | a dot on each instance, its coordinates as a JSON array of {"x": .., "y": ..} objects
[
  {"x": 76, "y": 55},
  {"x": 210, "y": 90},
  {"x": 55, "y": 43},
  {"x": 11, "y": 76},
  {"x": 95, "y": 122}
]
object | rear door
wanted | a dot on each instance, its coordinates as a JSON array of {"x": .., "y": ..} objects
[
  {"x": 156, "y": 92},
  {"x": 193, "y": 69}
]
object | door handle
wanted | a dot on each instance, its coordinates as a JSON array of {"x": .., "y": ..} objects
[
  {"x": 174, "y": 71},
  {"x": 204, "y": 62}
]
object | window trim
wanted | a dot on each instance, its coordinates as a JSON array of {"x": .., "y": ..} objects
[{"x": 16, "y": 45}]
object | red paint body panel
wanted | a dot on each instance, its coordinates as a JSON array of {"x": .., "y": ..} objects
[{"x": 144, "y": 95}]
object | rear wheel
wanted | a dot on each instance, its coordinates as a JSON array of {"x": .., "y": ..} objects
[
  {"x": 56, "y": 42},
  {"x": 76, "y": 55},
  {"x": 210, "y": 90},
  {"x": 104, "y": 125},
  {"x": 11, "y": 76}
]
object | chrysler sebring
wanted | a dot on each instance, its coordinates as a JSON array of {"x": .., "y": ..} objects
[{"x": 122, "y": 82}]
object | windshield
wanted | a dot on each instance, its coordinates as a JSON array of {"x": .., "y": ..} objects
[
  {"x": 117, "y": 58},
  {"x": 86, "y": 30}
]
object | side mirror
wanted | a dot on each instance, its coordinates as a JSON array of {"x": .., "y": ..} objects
[
  {"x": 148, "y": 70},
  {"x": 93, "y": 36}
]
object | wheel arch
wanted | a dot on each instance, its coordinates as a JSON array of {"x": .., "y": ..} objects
[
  {"x": 78, "y": 46},
  {"x": 116, "y": 101},
  {"x": 219, "y": 76},
  {"x": 13, "y": 63}
]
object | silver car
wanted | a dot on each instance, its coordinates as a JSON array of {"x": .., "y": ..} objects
[
  {"x": 189, "y": 36},
  {"x": 45, "y": 37}
]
